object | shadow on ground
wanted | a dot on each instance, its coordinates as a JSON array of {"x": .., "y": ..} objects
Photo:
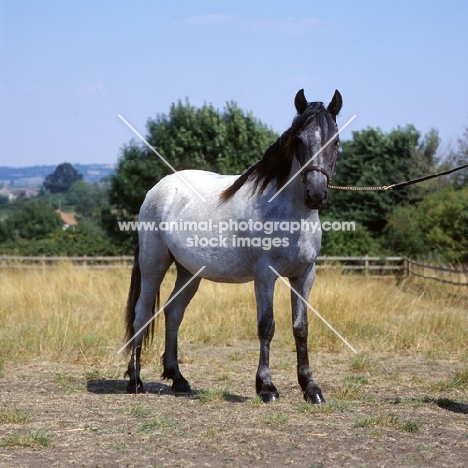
[
  {"x": 451, "y": 405},
  {"x": 106, "y": 386},
  {"x": 225, "y": 396},
  {"x": 445, "y": 403}
]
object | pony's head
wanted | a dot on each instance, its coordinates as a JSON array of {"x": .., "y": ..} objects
[{"x": 314, "y": 141}]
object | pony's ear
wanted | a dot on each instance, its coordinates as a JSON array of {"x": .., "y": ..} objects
[
  {"x": 300, "y": 101},
  {"x": 335, "y": 104}
]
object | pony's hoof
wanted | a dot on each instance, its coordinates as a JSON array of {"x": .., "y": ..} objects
[
  {"x": 315, "y": 399},
  {"x": 269, "y": 397},
  {"x": 182, "y": 389},
  {"x": 134, "y": 387}
]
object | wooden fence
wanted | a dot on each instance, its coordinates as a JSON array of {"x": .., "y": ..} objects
[
  {"x": 454, "y": 276},
  {"x": 17, "y": 261},
  {"x": 367, "y": 266}
]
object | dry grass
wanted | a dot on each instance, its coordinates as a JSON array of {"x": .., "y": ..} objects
[{"x": 76, "y": 315}]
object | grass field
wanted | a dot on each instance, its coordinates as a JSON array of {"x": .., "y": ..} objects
[
  {"x": 70, "y": 314},
  {"x": 401, "y": 401}
]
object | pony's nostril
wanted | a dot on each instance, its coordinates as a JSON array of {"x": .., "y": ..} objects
[{"x": 316, "y": 200}]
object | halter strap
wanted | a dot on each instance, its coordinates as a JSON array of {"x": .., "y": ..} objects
[{"x": 308, "y": 169}]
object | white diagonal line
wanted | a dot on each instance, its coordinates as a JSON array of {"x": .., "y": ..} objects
[
  {"x": 161, "y": 309},
  {"x": 312, "y": 158},
  {"x": 313, "y": 310},
  {"x": 159, "y": 156}
]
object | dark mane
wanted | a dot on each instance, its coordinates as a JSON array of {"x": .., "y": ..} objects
[{"x": 277, "y": 159}]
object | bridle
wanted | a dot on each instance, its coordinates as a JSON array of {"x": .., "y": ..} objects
[{"x": 308, "y": 169}]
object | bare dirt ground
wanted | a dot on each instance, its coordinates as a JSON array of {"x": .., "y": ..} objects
[{"x": 403, "y": 411}]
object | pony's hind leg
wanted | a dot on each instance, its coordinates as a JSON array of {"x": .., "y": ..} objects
[
  {"x": 135, "y": 385},
  {"x": 148, "y": 273},
  {"x": 144, "y": 310},
  {"x": 303, "y": 286},
  {"x": 174, "y": 313}
]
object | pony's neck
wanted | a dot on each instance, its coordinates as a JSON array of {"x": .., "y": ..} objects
[{"x": 294, "y": 188}]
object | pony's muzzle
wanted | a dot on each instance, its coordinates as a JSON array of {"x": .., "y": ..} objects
[{"x": 315, "y": 189}]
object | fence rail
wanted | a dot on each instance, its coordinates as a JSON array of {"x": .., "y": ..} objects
[
  {"x": 367, "y": 265},
  {"x": 373, "y": 266},
  {"x": 17, "y": 261},
  {"x": 453, "y": 276}
]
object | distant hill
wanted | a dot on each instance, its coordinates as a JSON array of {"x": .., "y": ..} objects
[{"x": 33, "y": 176}]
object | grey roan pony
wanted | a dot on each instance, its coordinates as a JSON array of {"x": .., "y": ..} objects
[{"x": 241, "y": 203}]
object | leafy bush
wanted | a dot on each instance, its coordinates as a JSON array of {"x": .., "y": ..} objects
[
  {"x": 437, "y": 227},
  {"x": 32, "y": 221},
  {"x": 87, "y": 238},
  {"x": 349, "y": 243},
  {"x": 375, "y": 158},
  {"x": 86, "y": 198}
]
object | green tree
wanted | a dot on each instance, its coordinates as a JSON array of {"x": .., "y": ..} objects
[
  {"x": 189, "y": 138},
  {"x": 355, "y": 242},
  {"x": 62, "y": 178},
  {"x": 86, "y": 239},
  {"x": 32, "y": 221},
  {"x": 374, "y": 158},
  {"x": 459, "y": 157},
  {"x": 87, "y": 198},
  {"x": 403, "y": 234},
  {"x": 436, "y": 227}
]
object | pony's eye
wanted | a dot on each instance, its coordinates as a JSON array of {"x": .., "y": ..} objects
[{"x": 337, "y": 144}]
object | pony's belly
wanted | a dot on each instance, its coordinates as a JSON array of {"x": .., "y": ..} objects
[
  {"x": 218, "y": 276},
  {"x": 240, "y": 264},
  {"x": 217, "y": 264}
]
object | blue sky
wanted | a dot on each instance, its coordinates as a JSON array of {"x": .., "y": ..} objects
[{"x": 68, "y": 68}]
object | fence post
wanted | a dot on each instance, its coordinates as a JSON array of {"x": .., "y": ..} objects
[{"x": 366, "y": 265}]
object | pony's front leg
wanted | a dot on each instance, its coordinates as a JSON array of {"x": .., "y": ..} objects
[
  {"x": 264, "y": 289},
  {"x": 303, "y": 286}
]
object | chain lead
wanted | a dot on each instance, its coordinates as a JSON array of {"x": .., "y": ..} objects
[{"x": 341, "y": 187}]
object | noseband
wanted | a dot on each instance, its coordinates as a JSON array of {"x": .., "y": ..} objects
[{"x": 308, "y": 169}]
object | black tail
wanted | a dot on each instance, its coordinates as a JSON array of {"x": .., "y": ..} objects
[{"x": 133, "y": 295}]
